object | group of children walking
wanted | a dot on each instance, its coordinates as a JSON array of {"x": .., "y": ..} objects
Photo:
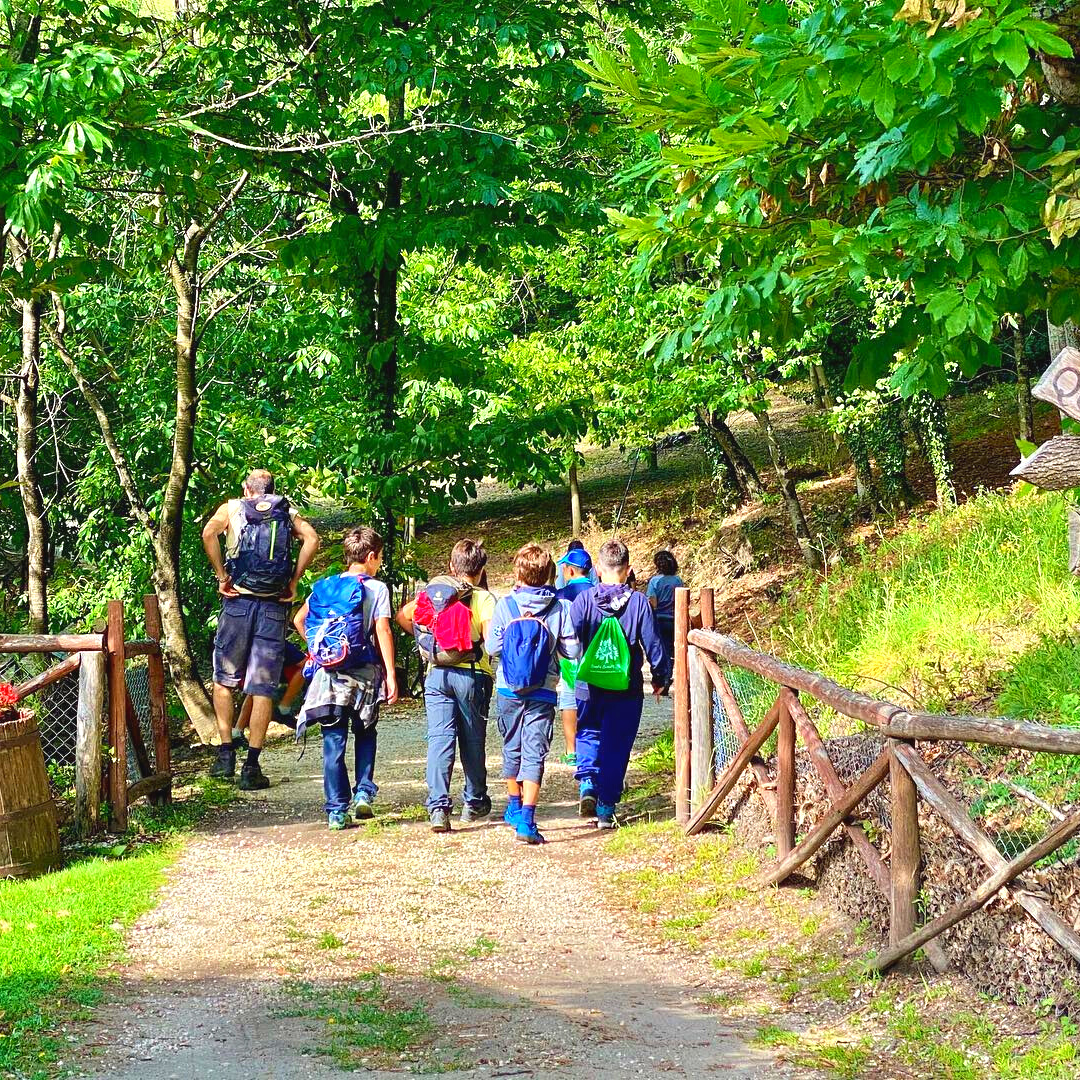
[{"x": 571, "y": 636}]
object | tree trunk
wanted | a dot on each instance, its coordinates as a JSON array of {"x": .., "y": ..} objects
[
  {"x": 654, "y": 458},
  {"x": 575, "y": 502},
  {"x": 810, "y": 554},
  {"x": 820, "y": 385},
  {"x": 735, "y": 462},
  {"x": 1024, "y": 411},
  {"x": 37, "y": 522}
]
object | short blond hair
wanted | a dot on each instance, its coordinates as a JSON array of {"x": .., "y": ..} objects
[{"x": 533, "y": 565}]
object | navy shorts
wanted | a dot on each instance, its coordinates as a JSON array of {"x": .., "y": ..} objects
[{"x": 249, "y": 649}]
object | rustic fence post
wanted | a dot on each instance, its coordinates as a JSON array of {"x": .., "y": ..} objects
[
  {"x": 159, "y": 713},
  {"x": 88, "y": 739},
  {"x": 905, "y": 857},
  {"x": 114, "y": 637},
  {"x": 707, "y": 606},
  {"x": 682, "y": 708},
  {"x": 785, "y": 779},
  {"x": 701, "y": 729}
]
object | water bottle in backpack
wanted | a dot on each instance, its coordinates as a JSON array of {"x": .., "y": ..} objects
[
  {"x": 263, "y": 561},
  {"x": 527, "y": 648}
]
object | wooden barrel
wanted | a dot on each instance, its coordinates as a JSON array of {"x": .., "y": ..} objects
[{"x": 29, "y": 841}]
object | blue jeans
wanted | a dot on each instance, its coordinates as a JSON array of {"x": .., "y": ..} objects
[
  {"x": 525, "y": 725},
  {"x": 336, "y": 776},
  {"x": 456, "y": 702},
  {"x": 606, "y": 729}
]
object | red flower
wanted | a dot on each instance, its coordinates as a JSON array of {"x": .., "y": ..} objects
[{"x": 9, "y": 696}]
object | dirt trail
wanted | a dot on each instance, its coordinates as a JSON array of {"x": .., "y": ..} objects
[{"x": 521, "y": 967}]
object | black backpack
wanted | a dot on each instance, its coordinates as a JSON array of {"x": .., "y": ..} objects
[{"x": 263, "y": 561}]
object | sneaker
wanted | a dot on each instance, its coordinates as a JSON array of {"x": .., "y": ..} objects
[
  {"x": 252, "y": 778},
  {"x": 568, "y": 759},
  {"x": 528, "y": 833},
  {"x": 510, "y": 817},
  {"x": 605, "y": 816},
  {"x": 239, "y": 742},
  {"x": 360, "y": 809},
  {"x": 285, "y": 717},
  {"x": 587, "y": 799},
  {"x": 224, "y": 766},
  {"x": 337, "y": 820},
  {"x": 474, "y": 811},
  {"x": 440, "y": 820}
]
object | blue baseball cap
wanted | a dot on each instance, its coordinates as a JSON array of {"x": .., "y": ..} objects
[{"x": 578, "y": 557}]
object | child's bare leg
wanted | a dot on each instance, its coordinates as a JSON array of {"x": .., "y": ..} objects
[
  {"x": 513, "y": 789},
  {"x": 244, "y": 719},
  {"x": 292, "y": 690},
  {"x": 569, "y": 727},
  {"x": 530, "y": 793}
]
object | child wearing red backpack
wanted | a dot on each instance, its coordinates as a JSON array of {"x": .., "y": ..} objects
[
  {"x": 529, "y": 632},
  {"x": 450, "y": 618},
  {"x": 346, "y": 624}
]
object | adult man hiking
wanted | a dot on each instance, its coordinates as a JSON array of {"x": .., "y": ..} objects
[{"x": 257, "y": 580}]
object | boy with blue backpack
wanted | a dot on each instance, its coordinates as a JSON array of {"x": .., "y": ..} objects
[
  {"x": 529, "y": 633},
  {"x": 346, "y": 624},
  {"x": 616, "y": 627},
  {"x": 257, "y": 580}
]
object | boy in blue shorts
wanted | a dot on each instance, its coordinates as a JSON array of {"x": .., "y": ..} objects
[
  {"x": 529, "y": 632},
  {"x": 608, "y": 720},
  {"x": 347, "y": 694}
]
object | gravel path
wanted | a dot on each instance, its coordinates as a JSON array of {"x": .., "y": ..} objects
[{"x": 512, "y": 952}]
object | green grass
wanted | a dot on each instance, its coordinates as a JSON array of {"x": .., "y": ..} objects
[
  {"x": 59, "y": 931},
  {"x": 957, "y": 602}
]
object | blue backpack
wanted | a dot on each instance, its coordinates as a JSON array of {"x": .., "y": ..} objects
[
  {"x": 334, "y": 627},
  {"x": 527, "y": 648},
  {"x": 263, "y": 560}
]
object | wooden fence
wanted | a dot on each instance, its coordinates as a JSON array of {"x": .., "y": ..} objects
[
  {"x": 700, "y": 658},
  {"x": 100, "y": 661}
]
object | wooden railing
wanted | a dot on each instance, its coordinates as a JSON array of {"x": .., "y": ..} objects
[
  {"x": 100, "y": 661},
  {"x": 700, "y": 656}
]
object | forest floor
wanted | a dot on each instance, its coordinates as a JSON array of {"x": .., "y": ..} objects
[{"x": 280, "y": 949}]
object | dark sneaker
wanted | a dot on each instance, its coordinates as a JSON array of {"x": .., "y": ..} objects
[
  {"x": 252, "y": 778},
  {"x": 528, "y": 833},
  {"x": 239, "y": 742},
  {"x": 474, "y": 811},
  {"x": 337, "y": 820},
  {"x": 224, "y": 767},
  {"x": 587, "y": 799},
  {"x": 360, "y": 808},
  {"x": 440, "y": 820},
  {"x": 285, "y": 717},
  {"x": 605, "y": 816}
]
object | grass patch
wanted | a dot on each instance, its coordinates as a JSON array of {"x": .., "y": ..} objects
[
  {"x": 59, "y": 931},
  {"x": 361, "y": 1025}
]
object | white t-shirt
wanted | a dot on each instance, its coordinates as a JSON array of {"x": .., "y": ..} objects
[
  {"x": 376, "y": 604},
  {"x": 237, "y": 521}
]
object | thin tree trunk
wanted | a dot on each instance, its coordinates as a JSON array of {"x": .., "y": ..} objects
[
  {"x": 810, "y": 554},
  {"x": 654, "y": 458},
  {"x": 575, "y": 502},
  {"x": 37, "y": 522},
  {"x": 745, "y": 476},
  {"x": 820, "y": 385},
  {"x": 1024, "y": 411}
]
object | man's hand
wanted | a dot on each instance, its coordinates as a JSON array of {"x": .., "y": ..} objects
[
  {"x": 289, "y": 595},
  {"x": 391, "y": 688},
  {"x": 658, "y": 691},
  {"x": 226, "y": 587}
]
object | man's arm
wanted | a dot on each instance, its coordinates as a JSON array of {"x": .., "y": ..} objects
[
  {"x": 385, "y": 638},
  {"x": 211, "y": 533},
  {"x": 404, "y": 618},
  {"x": 309, "y": 544}
]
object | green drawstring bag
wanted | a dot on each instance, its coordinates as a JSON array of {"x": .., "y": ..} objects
[
  {"x": 568, "y": 671},
  {"x": 606, "y": 663}
]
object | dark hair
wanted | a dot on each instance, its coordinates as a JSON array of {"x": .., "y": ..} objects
[
  {"x": 575, "y": 545},
  {"x": 665, "y": 563},
  {"x": 533, "y": 565},
  {"x": 613, "y": 555},
  {"x": 359, "y": 543},
  {"x": 468, "y": 558},
  {"x": 259, "y": 482}
]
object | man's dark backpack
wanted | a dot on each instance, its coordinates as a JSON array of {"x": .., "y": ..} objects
[{"x": 263, "y": 561}]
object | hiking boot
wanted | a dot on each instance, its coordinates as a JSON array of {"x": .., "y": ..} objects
[
  {"x": 587, "y": 799},
  {"x": 440, "y": 819},
  {"x": 474, "y": 811},
  {"x": 568, "y": 759},
  {"x": 337, "y": 820},
  {"x": 360, "y": 808},
  {"x": 224, "y": 766},
  {"x": 252, "y": 778},
  {"x": 528, "y": 833},
  {"x": 510, "y": 817},
  {"x": 605, "y": 816}
]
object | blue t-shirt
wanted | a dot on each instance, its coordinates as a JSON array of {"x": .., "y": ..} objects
[
  {"x": 573, "y": 589},
  {"x": 663, "y": 587}
]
